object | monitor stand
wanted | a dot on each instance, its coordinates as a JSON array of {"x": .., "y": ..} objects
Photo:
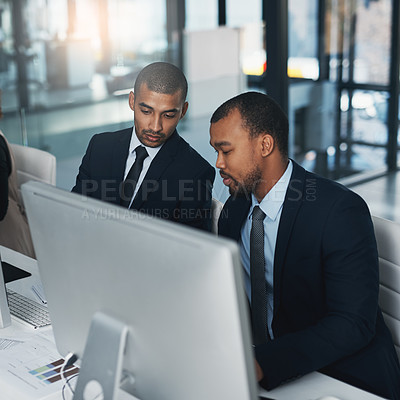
[
  {"x": 5, "y": 317},
  {"x": 102, "y": 357}
]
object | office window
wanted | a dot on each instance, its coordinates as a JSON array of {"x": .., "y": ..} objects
[
  {"x": 240, "y": 13},
  {"x": 360, "y": 31},
  {"x": 137, "y": 31},
  {"x": 364, "y": 120},
  {"x": 247, "y": 17},
  {"x": 79, "y": 69},
  {"x": 201, "y": 15},
  {"x": 303, "y": 39},
  {"x": 372, "y": 41},
  {"x": 365, "y": 158},
  {"x": 55, "y": 15}
]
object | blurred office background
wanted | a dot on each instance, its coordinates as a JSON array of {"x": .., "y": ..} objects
[{"x": 67, "y": 66}]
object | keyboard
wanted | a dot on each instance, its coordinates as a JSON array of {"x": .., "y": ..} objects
[{"x": 28, "y": 311}]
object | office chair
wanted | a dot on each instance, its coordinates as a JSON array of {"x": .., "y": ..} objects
[
  {"x": 216, "y": 208},
  {"x": 29, "y": 164},
  {"x": 387, "y": 235},
  {"x": 34, "y": 164}
]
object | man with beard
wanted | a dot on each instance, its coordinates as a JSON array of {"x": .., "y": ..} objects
[
  {"x": 149, "y": 167},
  {"x": 309, "y": 256}
]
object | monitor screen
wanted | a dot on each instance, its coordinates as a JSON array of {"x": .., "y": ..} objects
[
  {"x": 12, "y": 273},
  {"x": 177, "y": 291},
  {"x": 5, "y": 317},
  {"x": 8, "y": 273}
]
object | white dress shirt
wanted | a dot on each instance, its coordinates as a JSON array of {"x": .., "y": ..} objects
[
  {"x": 151, "y": 151},
  {"x": 272, "y": 205}
]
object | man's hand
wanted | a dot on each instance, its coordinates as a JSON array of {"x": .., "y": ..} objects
[{"x": 259, "y": 372}]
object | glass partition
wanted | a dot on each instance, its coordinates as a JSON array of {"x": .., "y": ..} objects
[{"x": 67, "y": 66}]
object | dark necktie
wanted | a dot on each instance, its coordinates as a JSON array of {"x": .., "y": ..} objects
[
  {"x": 257, "y": 277},
  {"x": 129, "y": 185}
]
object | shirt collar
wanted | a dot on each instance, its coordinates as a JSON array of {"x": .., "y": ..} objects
[
  {"x": 135, "y": 142},
  {"x": 272, "y": 203}
]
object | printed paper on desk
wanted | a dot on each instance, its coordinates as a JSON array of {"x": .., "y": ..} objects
[{"x": 31, "y": 370}]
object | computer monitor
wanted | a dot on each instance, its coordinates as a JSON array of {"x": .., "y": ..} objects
[{"x": 161, "y": 301}]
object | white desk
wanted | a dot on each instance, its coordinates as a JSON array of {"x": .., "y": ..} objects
[
  {"x": 316, "y": 385},
  {"x": 20, "y": 344},
  {"x": 309, "y": 387}
]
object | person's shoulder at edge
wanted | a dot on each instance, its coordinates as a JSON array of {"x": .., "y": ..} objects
[
  {"x": 4, "y": 172},
  {"x": 2, "y": 139},
  {"x": 5, "y": 156}
]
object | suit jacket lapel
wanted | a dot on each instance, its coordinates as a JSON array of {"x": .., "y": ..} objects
[
  {"x": 242, "y": 211},
  {"x": 160, "y": 163},
  {"x": 291, "y": 206},
  {"x": 119, "y": 156},
  {"x": 233, "y": 216}
]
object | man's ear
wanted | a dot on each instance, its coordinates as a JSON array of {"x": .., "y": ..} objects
[
  {"x": 184, "y": 109},
  {"x": 131, "y": 100},
  {"x": 268, "y": 144}
]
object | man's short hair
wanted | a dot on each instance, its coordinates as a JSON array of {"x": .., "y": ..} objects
[
  {"x": 162, "y": 77},
  {"x": 260, "y": 114}
]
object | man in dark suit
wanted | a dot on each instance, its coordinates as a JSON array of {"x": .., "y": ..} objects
[
  {"x": 172, "y": 180},
  {"x": 319, "y": 257}
]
